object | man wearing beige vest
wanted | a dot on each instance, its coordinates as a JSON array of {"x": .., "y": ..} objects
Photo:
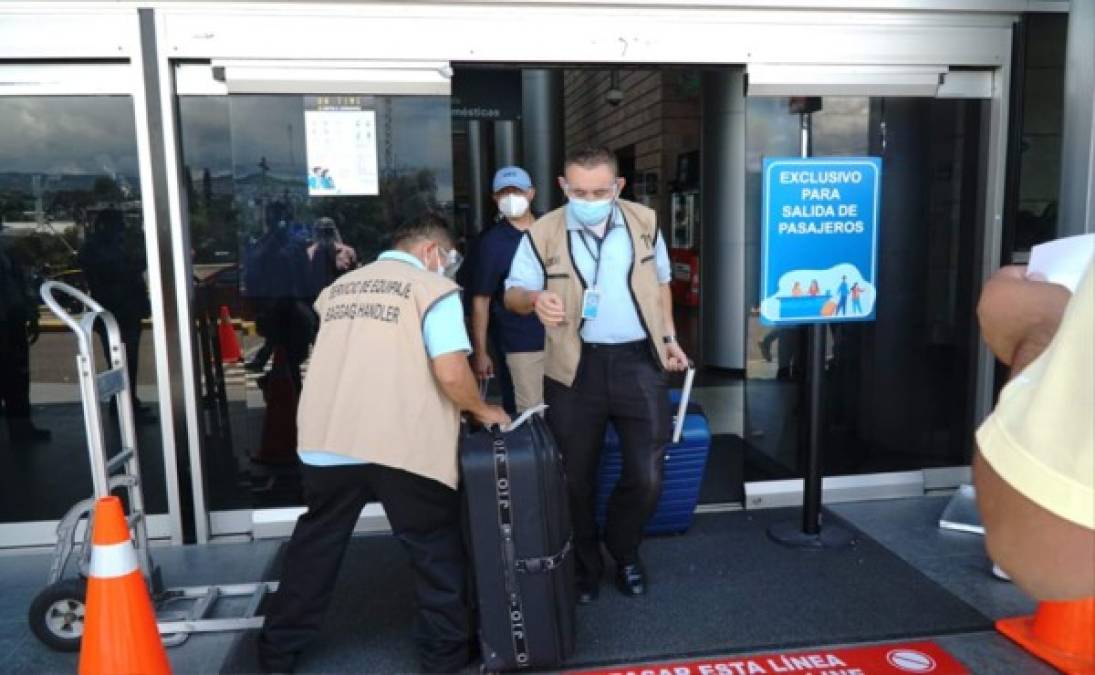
[
  {"x": 596, "y": 273},
  {"x": 378, "y": 421}
]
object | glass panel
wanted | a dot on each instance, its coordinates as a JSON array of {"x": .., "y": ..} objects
[
  {"x": 262, "y": 253},
  {"x": 899, "y": 391},
  {"x": 70, "y": 204}
]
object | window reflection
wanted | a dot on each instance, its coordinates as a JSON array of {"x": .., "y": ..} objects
[
  {"x": 263, "y": 249},
  {"x": 898, "y": 390},
  {"x": 70, "y": 209}
]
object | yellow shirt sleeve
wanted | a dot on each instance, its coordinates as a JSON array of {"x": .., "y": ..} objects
[{"x": 1041, "y": 437}]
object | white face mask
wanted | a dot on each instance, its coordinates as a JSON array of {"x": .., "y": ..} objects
[{"x": 513, "y": 205}]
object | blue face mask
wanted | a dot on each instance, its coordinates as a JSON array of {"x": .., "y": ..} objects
[{"x": 589, "y": 213}]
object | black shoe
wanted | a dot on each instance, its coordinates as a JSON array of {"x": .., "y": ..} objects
[
  {"x": 587, "y": 592},
  {"x": 631, "y": 579},
  {"x": 765, "y": 350},
  {"x": 24, "y": 431},
  {"x": 255, "y": 366},
  {"x": 142, "y": 413},
  {"x": 270, "y": 663}
]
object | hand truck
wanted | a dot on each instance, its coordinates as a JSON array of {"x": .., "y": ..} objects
[{"x": 56, "y": 615}]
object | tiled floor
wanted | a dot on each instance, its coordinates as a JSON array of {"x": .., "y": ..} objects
[{"x": 907, "y": 527}]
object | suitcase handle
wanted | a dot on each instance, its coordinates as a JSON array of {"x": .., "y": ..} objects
[
  {"x": 682, "y": 407},
  {"x": 546, "y": 563},
  {"x": 524, "y": 417}
]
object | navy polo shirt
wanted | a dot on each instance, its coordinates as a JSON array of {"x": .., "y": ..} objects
[{"x": 497, "y": 246}]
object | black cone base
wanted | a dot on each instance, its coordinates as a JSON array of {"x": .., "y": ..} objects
[{"x": 790, "y": 534}]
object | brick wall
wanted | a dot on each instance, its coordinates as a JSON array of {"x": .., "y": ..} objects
[{"x": 657, "y": 117}]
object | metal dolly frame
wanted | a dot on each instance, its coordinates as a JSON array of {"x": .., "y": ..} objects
[{"x": 56, "y": 614}]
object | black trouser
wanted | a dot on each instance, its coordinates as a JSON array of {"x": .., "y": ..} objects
[
  {"x": 129, "y": 330},
  {"x": 425, "y": 517},
  {"x": 621, "y": 383},
  {"x": 501, "y": 368},
  {"x": 15, "y": 367}
]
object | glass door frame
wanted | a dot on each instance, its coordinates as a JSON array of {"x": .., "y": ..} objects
[
  {"x": 98, "y": 52},
  {"x": 604, "y": 33},
  {"x": 296, "y": 78},
  {"x": 983, "y": 85}
]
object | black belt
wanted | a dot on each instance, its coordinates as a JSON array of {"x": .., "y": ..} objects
[{"x": 636, "y": 346}]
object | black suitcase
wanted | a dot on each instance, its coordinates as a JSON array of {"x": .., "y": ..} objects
[{"x": 520, "y": 539}]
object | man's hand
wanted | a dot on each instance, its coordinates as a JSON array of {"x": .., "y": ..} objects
[
  {"x": 678, "y": 360},
  {"x": 491, "y": 415},
  {"x": 1019, "y": 316},
  {"x": 550, "y": 309},
  {"x": 483, "y": 366}
]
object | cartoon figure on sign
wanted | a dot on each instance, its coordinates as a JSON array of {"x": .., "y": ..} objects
[
  {"x": 835, "y": 294},
  {"x": 857, "y": 293},
  {"x": 315, "y": 177},
  {"x": 842, "y": 292},
  {"x": 325, "y": 180}
]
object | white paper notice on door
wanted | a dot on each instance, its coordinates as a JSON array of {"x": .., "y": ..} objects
[{"x": 341, "y": 146}]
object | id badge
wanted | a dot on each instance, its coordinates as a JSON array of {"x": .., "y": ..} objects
[{"x": 591, "y": 303}]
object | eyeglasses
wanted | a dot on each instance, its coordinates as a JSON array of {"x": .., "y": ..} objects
[{"x": 596, "y": 194}]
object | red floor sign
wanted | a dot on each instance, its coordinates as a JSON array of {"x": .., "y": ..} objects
[{"x": 891, "y": 659}]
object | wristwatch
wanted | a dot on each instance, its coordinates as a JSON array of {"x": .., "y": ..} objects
[{"x": 669, "y": 339}]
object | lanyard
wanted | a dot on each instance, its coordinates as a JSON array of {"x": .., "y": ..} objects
[{"x": 600, "y": 244}]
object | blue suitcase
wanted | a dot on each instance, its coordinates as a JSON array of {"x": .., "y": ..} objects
[{"x": 683, "y": 473}]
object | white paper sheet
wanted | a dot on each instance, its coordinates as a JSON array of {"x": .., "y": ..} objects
[
  {"x": 1062, "y": 261},
  {"x": 341, "y": 147}
]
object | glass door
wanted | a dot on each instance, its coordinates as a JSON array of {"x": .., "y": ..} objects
[
  {"x": 900, "y": 393},
  {"x": 71, "y": 209},
  {"x": 290, "y": 180}
]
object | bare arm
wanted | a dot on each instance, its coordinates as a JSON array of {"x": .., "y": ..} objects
[
  {"x": 458, "y": 383},
  {"x": 521, "y": 301},
  {"x": 1019, "y": 317},
  {"x": 678, "y": 360},
  {"x": 667, "y": 310},
  {"x": 480, "y": 318},
  {"x": 1048, "y": 556}
]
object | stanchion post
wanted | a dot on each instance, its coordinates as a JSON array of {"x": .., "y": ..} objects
[{"x": 811, "y": 535}]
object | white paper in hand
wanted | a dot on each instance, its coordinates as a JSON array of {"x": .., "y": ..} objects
[{"x": 1062, "y": 261}]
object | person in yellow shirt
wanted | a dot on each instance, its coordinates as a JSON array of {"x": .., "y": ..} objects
[{"x": 1035, "y": 469}]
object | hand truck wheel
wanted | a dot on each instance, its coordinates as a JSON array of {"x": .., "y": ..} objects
[{"x": 56, "y": 615}]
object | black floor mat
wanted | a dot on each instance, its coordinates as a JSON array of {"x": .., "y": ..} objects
[{"x": 723, "y": 587}]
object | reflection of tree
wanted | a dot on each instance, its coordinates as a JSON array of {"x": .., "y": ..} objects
[
  {"x": 68, "y": 202},
  {"x": 106, "y": 189},
  {"x": 214, "y": 222},
  {"x": 47, "y": 253}
]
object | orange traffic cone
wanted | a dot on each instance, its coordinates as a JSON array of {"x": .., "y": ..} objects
[
  {"x": 230, "y": 344},
  {"x": 120, "y": 633},
  {"x": 1060, "y": 633}
]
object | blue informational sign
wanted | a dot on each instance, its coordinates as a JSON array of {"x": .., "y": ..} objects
[{"x": 819, "y": 240}]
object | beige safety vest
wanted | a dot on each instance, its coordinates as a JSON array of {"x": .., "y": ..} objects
[
  {"x": 551, "y": 242},
  {"x": 370, "y": 393}
]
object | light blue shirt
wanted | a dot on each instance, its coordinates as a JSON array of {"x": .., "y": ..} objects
[
  {"x": 443, "y": 331},
  {"x": 617, "y": 316}
]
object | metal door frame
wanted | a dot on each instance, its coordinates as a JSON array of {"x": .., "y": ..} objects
[
  {"x": 973, "y": 33},
  {"x": 97, "y": 51}
]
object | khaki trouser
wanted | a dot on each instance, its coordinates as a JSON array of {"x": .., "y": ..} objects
[{"x": 527, "y": 371}]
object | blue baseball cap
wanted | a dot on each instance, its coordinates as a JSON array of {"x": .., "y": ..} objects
[{"x": 511, "y": 176}]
